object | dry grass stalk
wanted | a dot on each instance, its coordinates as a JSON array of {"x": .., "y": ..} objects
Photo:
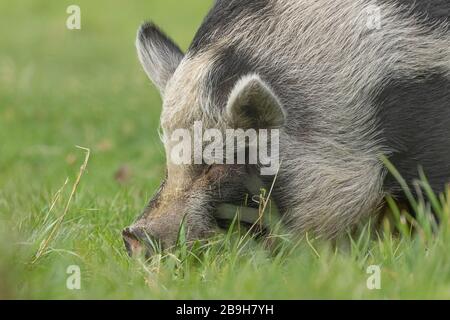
[{"x": 44, "y": 245}]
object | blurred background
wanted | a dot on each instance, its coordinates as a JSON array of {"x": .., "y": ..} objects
[{"x": 60, "y": 88}]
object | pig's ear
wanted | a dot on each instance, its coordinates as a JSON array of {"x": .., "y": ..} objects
[
  {"x": 253, "y": 104},
  {"x": 159, "y": 55}
]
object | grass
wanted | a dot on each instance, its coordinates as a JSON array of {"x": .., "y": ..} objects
[{"x": 61, "y": 88}]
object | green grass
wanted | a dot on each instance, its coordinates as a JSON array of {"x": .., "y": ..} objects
[{"x": 61, "y": 88}]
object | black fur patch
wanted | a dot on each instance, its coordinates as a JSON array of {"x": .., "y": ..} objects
[
  {"x": 228, "y": 68},
  {"x": 414, "y": 116},
  {"x": 231, "y": 64},
  {"x": 223, "y": 14},
  {"x": 430, "y": 11}
]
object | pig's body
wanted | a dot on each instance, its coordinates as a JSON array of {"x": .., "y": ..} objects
[{"x": 350, "y": 92}]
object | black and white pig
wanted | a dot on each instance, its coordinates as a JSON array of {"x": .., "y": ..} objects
[{"x": 346, "y": 83}]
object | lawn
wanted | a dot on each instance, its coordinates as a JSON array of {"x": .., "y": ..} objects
[{"x": 62, "y": 88}]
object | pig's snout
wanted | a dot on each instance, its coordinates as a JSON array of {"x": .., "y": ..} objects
[{"x": 138, "y": 242}]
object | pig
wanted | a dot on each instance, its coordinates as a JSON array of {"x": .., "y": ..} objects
[{"x": 346, "y": 83}]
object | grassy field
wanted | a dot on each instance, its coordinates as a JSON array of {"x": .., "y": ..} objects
[{"x": 61, "y": 88}]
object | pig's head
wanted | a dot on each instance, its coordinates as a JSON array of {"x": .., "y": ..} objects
[{"x": 192, "y": 191}]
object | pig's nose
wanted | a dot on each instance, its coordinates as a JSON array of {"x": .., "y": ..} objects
[{"x": 135, "y": 242}]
